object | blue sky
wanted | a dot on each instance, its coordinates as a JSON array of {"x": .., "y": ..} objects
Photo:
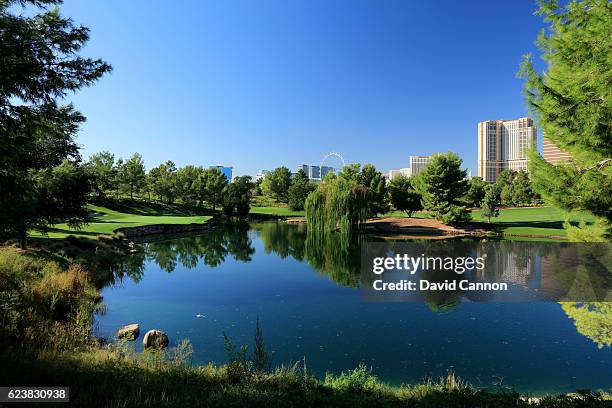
[{"x": 260, "y": 84}]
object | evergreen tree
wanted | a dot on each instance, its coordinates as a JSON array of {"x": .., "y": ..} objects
[
  {"x": 237, "y": 197},
  {"x": 476, "y": 191},
  {"x": 373, "y": 179},
  {"x": 491, "y": 202},
  {"x": 187, "y": 183},
  {"x": 404, "y": 196},
  {"x": 299, "y": 190},
  {"x": 39, "y": 66},
  {"x": 276, "y": 184},
  {"x": 162, "y": 180},
  {"x": 572, "y": 103},
  {"x": 521, "y": 189},
  {"x": 102, "y": 172},
  {"x": 505, "y": 186},
  {"x": 442, "y": 186},
  {"x": 133, "y": 174},
  {"x": 215, "y": 183}
]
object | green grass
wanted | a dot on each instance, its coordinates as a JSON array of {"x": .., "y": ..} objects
[
  {"x": 105, "y": 379},
  {"x": 277, "y": 211},
  {"x": 107, "y": 220},
  {"x": 543, "y": 221}
]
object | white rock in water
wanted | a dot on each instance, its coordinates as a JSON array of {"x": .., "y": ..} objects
[
  {"x": 199, "y": 316},
  {"x": 130, "y": 332}
]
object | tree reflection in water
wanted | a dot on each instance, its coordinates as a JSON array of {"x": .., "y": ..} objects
[{"x": 578, "y": 274}]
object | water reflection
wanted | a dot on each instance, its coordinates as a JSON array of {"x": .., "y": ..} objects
[{"x": 579, "y": 275}]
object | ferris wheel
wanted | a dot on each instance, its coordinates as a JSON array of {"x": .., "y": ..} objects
[{"x": 333, "y": 154}]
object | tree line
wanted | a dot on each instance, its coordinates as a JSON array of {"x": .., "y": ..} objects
[
  {"x": 190, "y": 184},
  {"x": 442, "y": 188}
]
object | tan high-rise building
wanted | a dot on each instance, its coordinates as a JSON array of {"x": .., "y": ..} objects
[
  {"x": 503, "y": 144},
  {"x": 417, "y": 164},
  {"x": 553, "y": 154}
]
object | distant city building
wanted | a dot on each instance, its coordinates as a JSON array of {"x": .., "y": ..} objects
[
  {"x": 503, "y": 144},
  {"x": 394, "y": 173},
  {"x": 417, "y": 164},
  {"x": 261, "y": 174},
  {"x": 552, "y": 154},
  {"x": 227, "y": 171},
  {"x": 315, "y": 172}
]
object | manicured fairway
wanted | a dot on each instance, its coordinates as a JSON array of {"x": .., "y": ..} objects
[
  {"x": 277, "y": 211},
  {"x": 107, "y": 220},
  {"x": 545, "y": 221}
]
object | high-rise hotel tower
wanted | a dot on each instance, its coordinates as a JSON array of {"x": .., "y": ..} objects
[{"x": 503, "y": 144}]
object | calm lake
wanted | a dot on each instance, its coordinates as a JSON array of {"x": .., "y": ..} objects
[{"x": 306, "y": 295}]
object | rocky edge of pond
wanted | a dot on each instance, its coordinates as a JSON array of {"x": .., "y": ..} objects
[
  {"x": 153, "y": 339},
  {"x": 156, "y": 229}
]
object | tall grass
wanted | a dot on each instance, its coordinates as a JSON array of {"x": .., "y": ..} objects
[{"x": 43, "y": 305}]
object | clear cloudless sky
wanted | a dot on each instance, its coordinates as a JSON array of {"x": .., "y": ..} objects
[{"x": 260, "y": 84}]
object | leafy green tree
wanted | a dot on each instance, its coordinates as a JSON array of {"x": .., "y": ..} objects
[
  {"x": 300, "y": 187},
  {"x": 162, "y": 180},
  {"x": 215, "y": 183},
  {"x": 442, "y": 186},
  {"x": 572, "y": 103},
  {"x": 351, "y": 172},
  {"x": 102, "y": 172},
  {"x": 337, "y": 204},
  {"x": 404, "y": 196},
  {"x": 276, "y": 184},
  {"x": 521, "y": 189},
  {"x": 237, "y": 197},
  {"x": 374, "y": 180},
  {"x": 476, "y": 191},
  {"x": 133, "y": 174},
  {"x": 505, "y": 185},
  {"x": 188, "y": 187},
  {"x": 199, "y": 185},
  {"x": 39, "y": 66},
  {"x": 491, "y": 202}
]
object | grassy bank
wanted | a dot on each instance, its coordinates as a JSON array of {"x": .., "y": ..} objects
[
  {"x": 105, "y": 379},
  {"x": 534, "y": 222},
  {"x": 108, "y": 216}
]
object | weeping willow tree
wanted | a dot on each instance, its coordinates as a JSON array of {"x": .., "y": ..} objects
[{"x": 337, "y": 204}]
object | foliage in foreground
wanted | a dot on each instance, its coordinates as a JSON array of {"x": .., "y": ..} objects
[
  {"x": 571, "y": 102},
  {"x": 104, "y": 378},
  {"x": 41, "y": 178}
]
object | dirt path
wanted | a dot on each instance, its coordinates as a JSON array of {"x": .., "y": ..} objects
[{"x": 402, "y": 225}]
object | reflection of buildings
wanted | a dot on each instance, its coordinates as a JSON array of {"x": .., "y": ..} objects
[
  {"x": 227, "y": 171},
  {"x": 503, "y": 144},
  {"x": 516, "y": 264},
  {"x": 553, "y": 154},
  {"x": 315, "y": 172}
]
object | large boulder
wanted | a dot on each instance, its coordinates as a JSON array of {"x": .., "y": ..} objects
[
  {"x": 156, "y": 339},
  {"x": 129, "y": 332}
]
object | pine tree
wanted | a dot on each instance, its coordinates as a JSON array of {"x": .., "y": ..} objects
[
  {"x": 572, "y": 102},
  {"x": 39, "y": 67}
]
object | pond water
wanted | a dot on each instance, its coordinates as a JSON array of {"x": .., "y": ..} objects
[{"x": 307, "y": 299}]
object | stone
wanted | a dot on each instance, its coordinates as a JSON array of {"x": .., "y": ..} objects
[
  {"x": 129, "y": 332},
  {"x": 156, "y": 339}
]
